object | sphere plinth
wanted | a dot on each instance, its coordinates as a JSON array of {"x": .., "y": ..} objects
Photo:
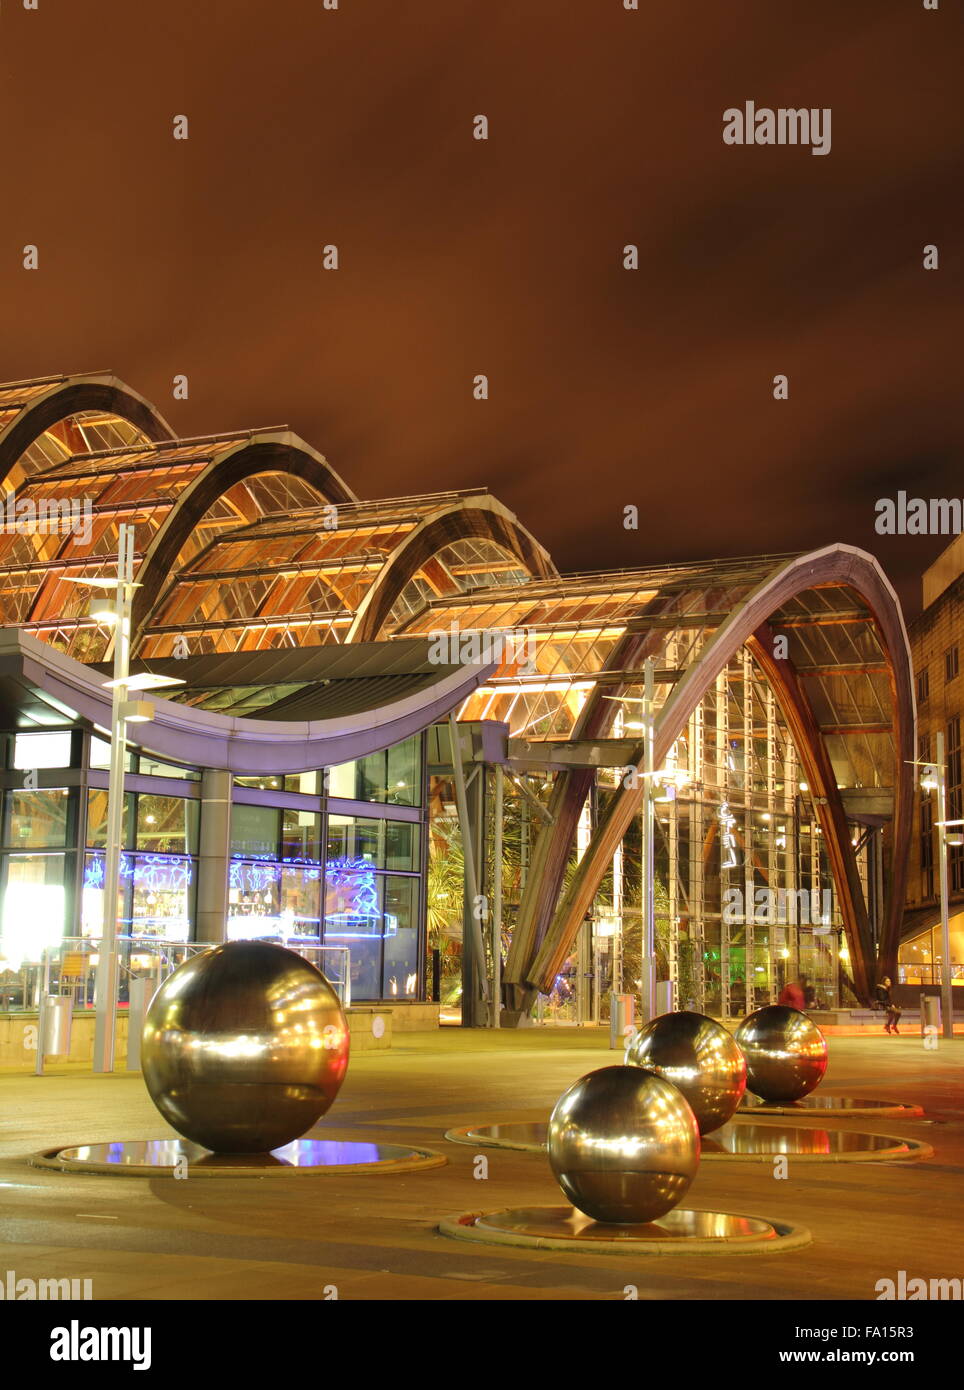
[
  {"x": 786, "y": 1053},
  {"x": 624, "y": 1145},
  {"x": 699, "y": 1057},
  {"x": 244, "y": 1047}
]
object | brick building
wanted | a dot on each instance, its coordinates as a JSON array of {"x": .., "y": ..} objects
[{"x": 937, "y": 643}]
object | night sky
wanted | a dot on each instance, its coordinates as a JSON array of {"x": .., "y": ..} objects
[{"x": 504, "y": 257}]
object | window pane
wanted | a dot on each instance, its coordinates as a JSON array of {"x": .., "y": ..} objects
[
  {"x": 100, "y": 754},
  {"x": 254, "y": 831},
  {"x": 342, "y": 781},
  {"x": 42, "y": 750},
  {"x": 167, "y": 824},
  {"x": 161, "y": 895},
  {"x": 33, "y": 907},
  {"x": 301, "y": 901},
  {"x": 274, "y": 783},
  {"x": 401, "y": 845},
  {"x": 301, "y": 835},
  {"x": 150, "y": 767},
  {"x": 92, "y": 902},
  {"x": 403, "y": 779},
  {"x": 400, "y": 974},
  {"x": 353, "y": 918},
  {"x": 37, "y": 820},
  {"x": 97, "y": 819},
  {"x": 352, "y": 837},
  {"x": 254, "y": 899}
]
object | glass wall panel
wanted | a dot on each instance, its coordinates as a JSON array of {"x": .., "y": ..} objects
[
  {"x": 97, "y": 818},
  {"x": 400, "y": 970}
]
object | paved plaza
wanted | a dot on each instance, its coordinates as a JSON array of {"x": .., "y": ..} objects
[{"x": 373, "y": 1236}]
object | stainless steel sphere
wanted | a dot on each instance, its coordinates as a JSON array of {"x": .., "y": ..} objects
[
  {"x": 786, "y": 1053},
  {"x": 624, "y": 1145},
  {"x": 244, "y": 1047},
  {"x": 699, "y": 1057}
]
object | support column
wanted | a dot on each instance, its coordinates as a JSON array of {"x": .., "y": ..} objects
[
  {"x": 214, "y": 856},
  {"x": 695, "y": 845}
]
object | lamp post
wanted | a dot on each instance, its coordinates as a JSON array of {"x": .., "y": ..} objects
[
  {"x": 123, "y": 711},
  {"x": 947, "y": 991}
]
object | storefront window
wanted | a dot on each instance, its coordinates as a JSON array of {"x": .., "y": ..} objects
[
  {"x": 254, "y": 899},
  {"x": 156, "y": 895}
]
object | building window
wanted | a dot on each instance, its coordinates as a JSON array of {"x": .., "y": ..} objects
[
  {"x": 157, "y": 868},
  {"x": 392, "y": 777},
  {"x": 951, "y": 663},
  {"x": 42, "y": 750},
  {"x": 955, "y": 800},
  {"x": 923, "y": 685},
  {"x": 36, "y": 819},
  {"x": 372, "y": 890}
]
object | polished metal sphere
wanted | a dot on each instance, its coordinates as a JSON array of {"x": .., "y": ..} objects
[
  {"x": 786, "y": 1053},
  {"x": 624, "y": 1145},
  {"x": 699, "y": 1057},
  {"x": 244, "y": 1047}
]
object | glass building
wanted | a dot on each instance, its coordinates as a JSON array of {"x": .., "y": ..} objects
[{"x": 403, "y": 732}]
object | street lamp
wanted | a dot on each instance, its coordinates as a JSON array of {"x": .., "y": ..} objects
[
  {"x": 123, "y": 712},
  {"x": 934, "y": 778}
]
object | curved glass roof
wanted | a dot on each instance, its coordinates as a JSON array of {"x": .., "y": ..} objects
[{"x": 302, "y": 579}]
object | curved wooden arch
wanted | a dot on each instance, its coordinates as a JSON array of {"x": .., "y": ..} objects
[
  {"x": 272, "y": 453},
  {"x": 483, "y": 517},
  {"x": 68, "y": 397},
  {"x": 834, "y": 564}
]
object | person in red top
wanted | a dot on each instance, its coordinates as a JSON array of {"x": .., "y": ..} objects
[{"x": 793, "y": 995}]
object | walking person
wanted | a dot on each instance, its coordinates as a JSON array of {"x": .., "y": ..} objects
[
  {"x": 884, "y": 1001},
  {"x": 793, "y": 994}
]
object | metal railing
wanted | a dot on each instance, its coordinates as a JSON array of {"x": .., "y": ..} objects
[{"x": 69, "y": 969}]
